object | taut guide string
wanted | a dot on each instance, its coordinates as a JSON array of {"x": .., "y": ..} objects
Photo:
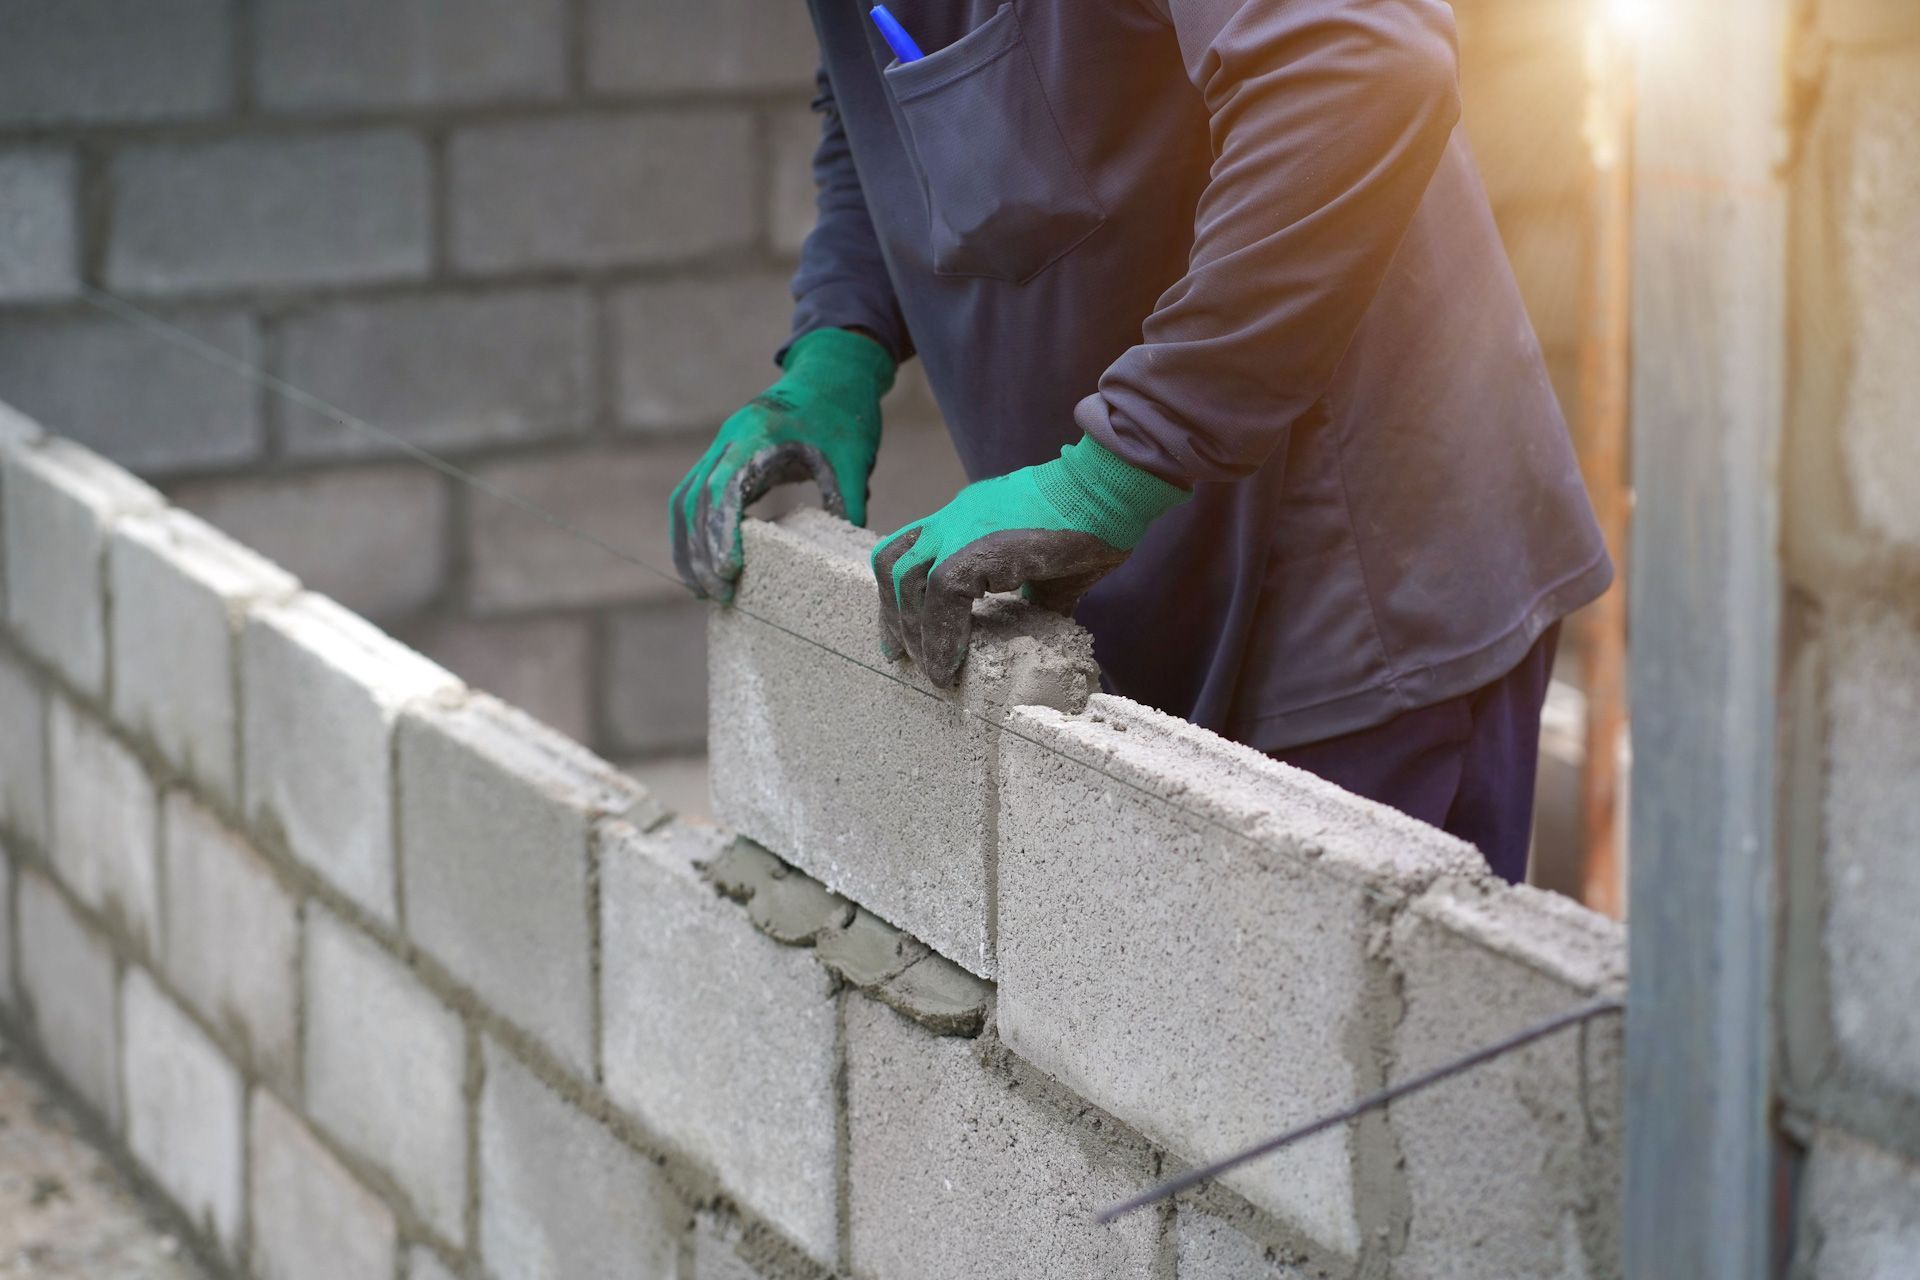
[{"x": 126, "y": 311}]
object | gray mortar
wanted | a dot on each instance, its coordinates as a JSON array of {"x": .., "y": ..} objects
[
  {"x": 785, "y": 905},
  {"x": 939, "y": 995},
  {"x": 868, "y": 950}
]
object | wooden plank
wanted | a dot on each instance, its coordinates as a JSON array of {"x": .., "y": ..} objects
[{"x": 1709, "y": 359}]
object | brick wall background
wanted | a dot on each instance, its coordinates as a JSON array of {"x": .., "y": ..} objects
[{"x": 548, "y": 239}]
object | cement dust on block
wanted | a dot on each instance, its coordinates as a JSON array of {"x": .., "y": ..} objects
[{"x": 65, "y": 1213}]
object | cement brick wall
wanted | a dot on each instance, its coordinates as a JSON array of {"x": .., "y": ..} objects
[
  {"x": 421, "y": 984},
  {"x": 1849, "y": 1038},
  {"x": 548, "y": 239}
]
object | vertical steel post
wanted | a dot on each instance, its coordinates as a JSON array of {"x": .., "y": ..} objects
[{"x": 1709, "y": 365}]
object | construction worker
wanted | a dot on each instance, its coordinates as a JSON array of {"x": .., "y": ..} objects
[{"x": 1213, "y": 303}]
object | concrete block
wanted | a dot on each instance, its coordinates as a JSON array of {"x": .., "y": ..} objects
[
  {"x": 645, "y": 46},
  {"x": 793, "y": 136},
  {"x": 106, "y": 823},
  {"x": 311, "y": 1219},
  {"x": 23, "y": 752},
  {"x": 320, "y": 691},
  {"x": 93, "y": 61},
  {"x": 326, "y": 54},
  {"x": 386, "y": 1067},
  {"x": 1115, "y": 826},
  {"x": 691, "y": 352},
  {"x": 544, "y": 666},
  {"x": 559, "y": 1195},
  {"x": 276, "y": 212},
  {"x": 165, "y": 409},
  {"x": 1513, "y": 1170},
  {"x": 716, "y": 1254},
  {"x": 902, "y": 821},
  {"x": 717, "y": 1038},
  {"x": 1876, "y": 198},
  {"x": 995, "y": 1180},
  {"x": 496, "y": 812},
  {"x": 520, "y": 563},
  {"x": 424, "y": 1264},
  {"x": 233, "y": 938},
  {"x": 1872, "y": 822},
  {"x": 8, "y": 1000},
  {"x": 179, "y": 591},
  {"x": 640, "y": 188},
  {"x": 1208, "y": 1247},
  {"x": 373, "y": 538},
  {"x": 444, "y": 372},
  {"x": 1860, "y": 1213},
  {"x": 39, "y": 225},
  {"x": 60, "y": 501},
  {"x": 67, "y": 981},
  {"x": 655, "y": 689},
  {"x": 184, "y": 1102}
]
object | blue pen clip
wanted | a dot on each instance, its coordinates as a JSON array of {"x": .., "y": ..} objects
[{"x": 896, "y": 35}]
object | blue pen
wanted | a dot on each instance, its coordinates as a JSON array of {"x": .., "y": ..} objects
[{"x": 896, "y": 35}]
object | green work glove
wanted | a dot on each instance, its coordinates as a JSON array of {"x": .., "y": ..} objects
[
  {"x": 821, "y": 420},
  {"x": 1054, "y": 529}
]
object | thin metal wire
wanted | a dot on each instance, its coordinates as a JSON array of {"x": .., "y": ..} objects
[{"x": 1354, "y": 1110}]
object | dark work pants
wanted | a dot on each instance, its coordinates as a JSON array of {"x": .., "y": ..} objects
[{"x": 1465, "y": 765}]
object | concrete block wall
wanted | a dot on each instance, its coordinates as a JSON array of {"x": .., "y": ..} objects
[
  {"x": 1849, "y": 1033},
  {"x": 549, "y": 240},
  {"x": 384, "y": 974}
]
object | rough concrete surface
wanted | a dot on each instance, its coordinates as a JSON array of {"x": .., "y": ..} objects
[
  {"x": 60, "y": 499},
  {"x": 310, "y": 1219},
  {"x": 179, "y": 589},
  {"x": 67, "y": 978},
  {"x": 1860, "y": 1215},
  {"x": 495, "y": 815},
  {"x": 320, "y": 691},
  {"x": 717, "y": 1038},
  {"x": 901, "y": 822},
  {"x": 1184, "y": 940},
  {"x": 184, "y": 1102},
  {"x": 1513, "y": 1170},
  {"x": 1207, "y": 1247},
  {"x": 386, "y": 1068},
  {"x": 23, "y": 761},
  {"x": 65, "y": 1212},
  {"x": 560, "y": 1197},
  {"x": 105, "y": 822},
  {"x": 996, "y": 1183}
]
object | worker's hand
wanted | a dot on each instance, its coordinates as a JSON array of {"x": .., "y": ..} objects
[
  {"x": 1055, "y": 529},
  {"x": 821, "y": 420}
]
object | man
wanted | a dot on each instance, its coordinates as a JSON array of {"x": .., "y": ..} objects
[{"x": 1213, "y": 303}]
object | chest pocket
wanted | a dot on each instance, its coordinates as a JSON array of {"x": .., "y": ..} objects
[{"x": 1007, "y": 199}]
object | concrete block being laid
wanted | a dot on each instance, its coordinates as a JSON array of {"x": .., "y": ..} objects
[
  {"x": 59, "y": 502},
  {"x": 184, "y": 1103},
  {"x": 179, "y": 591},
  {"x": 321, "y": 690},
  {"x": 105, "y": 823},
  {"x": 858, "y": 770},
  {"x": 1185, "y": 938},
  {"x": 67, "y": 980},
  {"x": 496, "y": 811},
  {"x": 960, "y": 1170},
  {"x": 311, "y": 1219},
  {"x": 559, "y": 1194},
  {"x": 1514, "y": 1169},
  {"x": 718, "y": 1038},
  {"x": 23, "y": 752},
  {"x": 233, "y": 937},
  {"x": 386, "y": 1068}
]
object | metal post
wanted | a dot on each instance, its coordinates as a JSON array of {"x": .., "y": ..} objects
[{"x": 1709, "y": 358}]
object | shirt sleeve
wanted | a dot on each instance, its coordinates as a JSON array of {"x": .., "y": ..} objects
[
  {"x": 842, "y": 281},
  {"x": 1328, "y": 120}
]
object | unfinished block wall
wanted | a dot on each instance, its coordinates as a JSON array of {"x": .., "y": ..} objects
[
  {"x": 371, "y": 975},
  {"x": 1849, "y": 1025}
]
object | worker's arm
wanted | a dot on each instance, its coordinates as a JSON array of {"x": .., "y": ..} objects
[
  {"x": 1329, "y": 118},
  {"x": 821, "y": 419}
]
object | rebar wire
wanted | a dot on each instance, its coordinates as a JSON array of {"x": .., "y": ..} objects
[
  {"x": 1354, "y": 1110},
  {"x": 124, "y": 310}
]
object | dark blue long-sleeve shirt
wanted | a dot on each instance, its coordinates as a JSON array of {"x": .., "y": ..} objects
[{"x": 1243, "y": 245}]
